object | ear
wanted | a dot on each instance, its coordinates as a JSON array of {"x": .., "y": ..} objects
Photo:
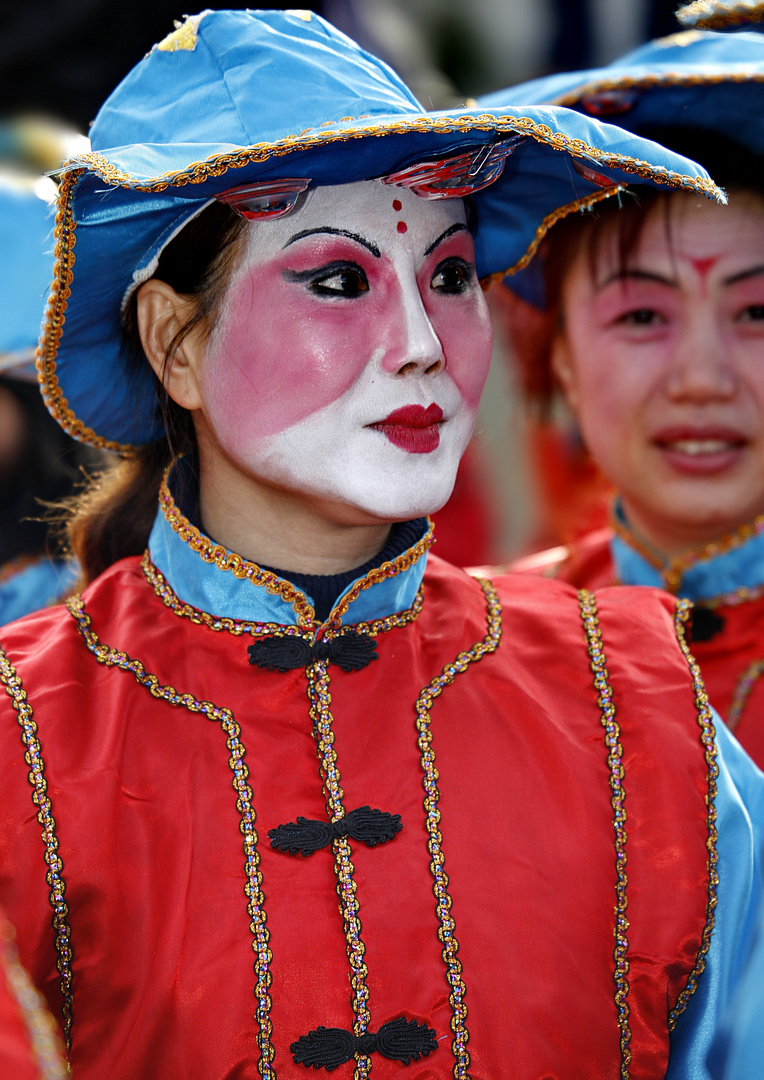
[
  {"x": 564, "y": 369},
  {"x": 162, "y": 313}
]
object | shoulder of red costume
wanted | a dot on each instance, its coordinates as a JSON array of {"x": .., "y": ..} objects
[
  {"x": 39, "y": 632},
  {"x": 587, "y": 563}
]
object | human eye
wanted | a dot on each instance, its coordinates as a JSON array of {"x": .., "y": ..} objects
[
  {"x": 753, "y": 313},
  {"x": 639, "y": 317},
  {"x": 341, "y": 279},
  {"x": 453, "y": 275}
]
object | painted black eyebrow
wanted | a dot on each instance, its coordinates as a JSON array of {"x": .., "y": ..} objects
[
  {"x": 755, "y": 271},
  {"x": 337, "y": 232},
  {"x": 640, "y": 275},
  {"x": 449, "y": 232}
]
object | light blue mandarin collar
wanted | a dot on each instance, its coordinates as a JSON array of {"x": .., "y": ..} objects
[
  {"x": 254, "y": 595},
  {"x": 734, "y": 570}
]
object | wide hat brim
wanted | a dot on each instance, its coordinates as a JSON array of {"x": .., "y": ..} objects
[
  {"x": 119, "y": 206},
  {"x": 690, "y": 79}
]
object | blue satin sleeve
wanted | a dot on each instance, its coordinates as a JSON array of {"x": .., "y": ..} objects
[
  {"x": 740, "y": 825},
  {"x": 37, "y": 586}
]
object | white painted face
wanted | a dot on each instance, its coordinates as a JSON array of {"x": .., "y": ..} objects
[{"x": 351, "y": 351}]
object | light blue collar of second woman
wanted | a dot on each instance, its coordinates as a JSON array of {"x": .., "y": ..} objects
[
  {"x": 216, "y": 581},
  {"x": 728, "y": 570}
]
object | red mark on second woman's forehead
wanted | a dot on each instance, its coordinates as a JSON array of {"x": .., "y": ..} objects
[
  {"x": 402, "y": 227},
  {"x": 702, "y": 266},
  {"x": 397, "y": 204}
]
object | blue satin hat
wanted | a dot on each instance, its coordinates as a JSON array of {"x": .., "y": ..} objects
[
  {"x": 711, "y": 81},
  {"x": 235, "y": 99},
  {"x": 720, "y": 14},
  {"x": 690, "y": 79},
  {"x": 26, "y": 269}
]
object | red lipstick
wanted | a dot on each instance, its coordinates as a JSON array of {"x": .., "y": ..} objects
[{"x": 413, "y": 428}]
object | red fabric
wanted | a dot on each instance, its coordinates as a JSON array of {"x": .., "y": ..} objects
[
  {"x": 588, "y": 564},
  {"x": 16, "y": 1056},
  {"x": 152, "y": 852}
]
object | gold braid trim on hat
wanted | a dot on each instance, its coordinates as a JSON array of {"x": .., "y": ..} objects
[
  {"x": 713, "y": 15},
  {"x": 586, "y": 203},
  {"x": 574, "y": 97},
  {"x": 217, "y": 166},
  {"x": 201, "y": 171}
]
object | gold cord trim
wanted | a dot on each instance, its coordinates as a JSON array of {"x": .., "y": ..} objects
[
  {"x": 216, "y": 166},
  {"x": 170, "y": 599},
  {"x": 673, "y": 570},
  {"x": 242, "y": 569},
  {"x": 54, "y": 875},
  {"x": 713, "y": 15},
  {"x": 40, "y": 1026},
  {"x": 743, "y": 688},
  {"x": 650, "y": 82},
  {"x": 320, "y": 699},
  {"x": 581, "y": 205},
  {"x": 708, "y": 738},
  {"x": 598, "y": 663},
  {"x": 248, "y": 818},
  {"x": 446, "y": 927}
]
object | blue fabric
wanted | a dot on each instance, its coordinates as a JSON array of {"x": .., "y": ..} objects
[
  {"x": 36, "y": 586},
  {"x": 26, "y": 269},
  {"x": 688, "y": 80},
  {"x": 726, "y": 72},
  {"x": 738, "y": 1050},
  {"x": 250, "y": 96},
  {"x": 742, "y": 567},
  {"x": 218, "y": 592},
  {"x": 740, "y": 825}
]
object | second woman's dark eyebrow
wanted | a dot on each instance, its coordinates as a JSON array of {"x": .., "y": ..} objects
[
  {"x": 449, "y": 232},
  {"x": 636, "y": 275},
  {"x": 755, "y": 271},
  {"x": 336, "y": 232}
]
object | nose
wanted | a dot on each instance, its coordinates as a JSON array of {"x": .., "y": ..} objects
[
  {"x": 702, "y": 370},
  {"x": 414, "y": 347}
]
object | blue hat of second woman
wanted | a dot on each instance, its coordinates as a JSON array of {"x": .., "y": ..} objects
[
  {"x": 250, "y": 108},
  {"x": 692, "y": 79}
]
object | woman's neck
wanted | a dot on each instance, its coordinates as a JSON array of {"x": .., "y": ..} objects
[
  {"x": 670, "y": 541},
  {"x": 282, "y": 529}
]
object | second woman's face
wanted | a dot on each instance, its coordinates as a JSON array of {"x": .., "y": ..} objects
[
  {"x": 351, "y": 351},
  {"x": 663, "y": 363}
]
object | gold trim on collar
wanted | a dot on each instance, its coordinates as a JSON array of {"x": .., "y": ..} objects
[
  {"x": 673, "y": 570},
  {"x": 290, "y": 594},
  {"x": 170, "y": 599}
]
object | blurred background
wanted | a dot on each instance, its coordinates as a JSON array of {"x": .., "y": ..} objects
[{"x": 524, "y": 484}]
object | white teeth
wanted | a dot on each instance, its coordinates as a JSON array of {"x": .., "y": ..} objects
[{"x": 700, "y": 446}]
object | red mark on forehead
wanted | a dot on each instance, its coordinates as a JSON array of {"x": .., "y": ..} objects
[
  {"x": 397, "y": 204},
  {"x": 702, "y": 266},
  {"x": 402, "y": 227}
]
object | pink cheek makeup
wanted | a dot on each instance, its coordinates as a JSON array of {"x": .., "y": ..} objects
[{"x": 270, "y": 371}]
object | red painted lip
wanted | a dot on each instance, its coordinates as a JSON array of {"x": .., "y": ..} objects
[
  {"x": 413, "y": 428},
  {"x": 706, "y": 462}
]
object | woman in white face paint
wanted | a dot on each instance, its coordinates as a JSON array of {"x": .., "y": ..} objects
[{"x": 269, "y": 698}]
